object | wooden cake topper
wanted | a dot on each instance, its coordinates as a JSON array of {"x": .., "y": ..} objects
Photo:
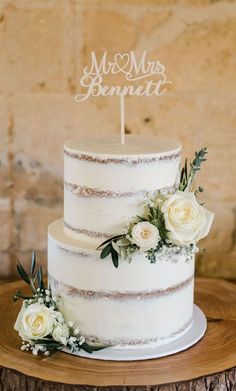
[{"x": 141, "y": 77}]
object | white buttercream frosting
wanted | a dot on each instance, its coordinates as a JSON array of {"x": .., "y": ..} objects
[
  {"x": 136, "y": 302},
  {"x": 105, "y": 184},
  {"x": 135, "y": 145},
  {"x": 115, "y": 180}
]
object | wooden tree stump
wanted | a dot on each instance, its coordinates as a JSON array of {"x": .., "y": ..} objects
[{"x": 208, "y": 365}]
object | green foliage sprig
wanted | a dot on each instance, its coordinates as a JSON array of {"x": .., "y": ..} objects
[
  {"x": 187, "y": 176},
  {"x": 34, "y": 279}
]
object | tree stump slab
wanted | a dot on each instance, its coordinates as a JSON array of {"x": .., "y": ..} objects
[{"x": 208, "y": 365}]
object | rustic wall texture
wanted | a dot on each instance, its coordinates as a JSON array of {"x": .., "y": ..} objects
[{"x": 45, "y": 43}]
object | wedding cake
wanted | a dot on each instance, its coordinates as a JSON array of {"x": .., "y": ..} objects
[{"x": 141, "y": 302}]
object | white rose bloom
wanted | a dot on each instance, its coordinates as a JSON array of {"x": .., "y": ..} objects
[
  {"x": 145, "y": 235},
  {"x": 61, "y": 333},
  {"x": 34, "y": 322},
  {"x": 186, "y": 220}
]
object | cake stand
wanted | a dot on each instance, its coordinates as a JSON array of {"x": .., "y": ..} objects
[
  {"x": 194, "y": 333},
  {"x": 210, "y": 364}
]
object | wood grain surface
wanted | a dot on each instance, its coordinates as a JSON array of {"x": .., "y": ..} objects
[{"x": 212, "y": 359}]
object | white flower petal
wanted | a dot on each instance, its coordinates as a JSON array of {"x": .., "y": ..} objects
[
  {"x": 186, "y": 220},
  {"x": 34, "y": 322},
  {"x": 145, "y": 235}
]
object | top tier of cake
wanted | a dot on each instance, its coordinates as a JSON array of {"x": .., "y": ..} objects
[{"x": 106, "y": 183}]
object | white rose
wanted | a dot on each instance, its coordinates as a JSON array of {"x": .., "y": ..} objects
[
  {"x": 145, "y": 235},
  {"x": 186, "y": 220},
  {"x": 61, "y": 333},
  {"x": 34, "y": 322}
]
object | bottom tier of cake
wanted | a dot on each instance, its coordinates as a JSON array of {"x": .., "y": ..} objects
[{"x": 140, "y": 303}]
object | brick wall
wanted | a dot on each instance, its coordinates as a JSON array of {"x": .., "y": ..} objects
[{"x": 44, "y": 45}]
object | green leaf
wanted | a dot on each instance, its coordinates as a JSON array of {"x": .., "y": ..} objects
[
  {"x": 123, "y": 242},
  {"x": 115, "y": 258},
  {"x": 97, "y": 348},
  {"x": 22, "y": 273},
  {"x": 106, "y": 251},
  {"x": 34, "y": 278},
  {"x": 140, "y": 218},
  {"x": 116, "y": 247},
  {"x": 182, "y": 175},
  {"x": 186, "y": 168},
  {"x": 33, "y": 263},
  {"x": 90, "y": 348},
  {"x": 153, "y": 212},
  {"x": 109, "y": 240},
  {"x": 123, "y": 253},
  {"x": 86, "y": 347},
  {"x": 155, "y": 222},
  {"x": 40, "y": 278},
  {"x": 159, "y": 222},
  {"x": 52, "y": 346},
  {"x": 49, "y": 343},
  {"x": 18, "y": 295},
  {"x": 45, "y": 340}
]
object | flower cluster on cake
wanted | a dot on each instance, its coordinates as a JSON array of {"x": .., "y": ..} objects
[
  {"x": 40, "y": 323},
  {"x": 171, "y": 223},
  {"x": 132, "y": 204}
]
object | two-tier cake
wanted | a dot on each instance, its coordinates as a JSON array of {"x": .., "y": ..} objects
[{"x": 106, "y": 184}]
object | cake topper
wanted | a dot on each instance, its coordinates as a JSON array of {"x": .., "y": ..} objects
[{"x": 139, "y": 77}]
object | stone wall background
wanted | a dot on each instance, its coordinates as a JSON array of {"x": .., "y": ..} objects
[{"x": 44, "y": 45}]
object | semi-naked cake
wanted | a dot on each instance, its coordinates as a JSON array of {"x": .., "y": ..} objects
[{"x": 106, "y": 184}]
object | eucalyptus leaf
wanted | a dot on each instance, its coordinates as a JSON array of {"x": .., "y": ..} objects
[{"x": 186, "y": 179}]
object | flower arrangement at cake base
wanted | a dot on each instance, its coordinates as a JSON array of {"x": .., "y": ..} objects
[{"x": 40, "y": 323}]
